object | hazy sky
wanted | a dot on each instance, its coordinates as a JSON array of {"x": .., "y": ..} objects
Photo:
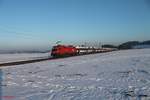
[{"x": 40, "y": 23}]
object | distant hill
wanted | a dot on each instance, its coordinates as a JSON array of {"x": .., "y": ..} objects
[
  {"x": 146, "y": 42},
  {"x": 141, "y": 46},
  {"x": 134, "y": 44}
]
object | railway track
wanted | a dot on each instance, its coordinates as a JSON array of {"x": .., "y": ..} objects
[
  {"x": 37, "y": 60},
  {"x": 30, "y": 61},
  {"x": 24, "y": 62}
]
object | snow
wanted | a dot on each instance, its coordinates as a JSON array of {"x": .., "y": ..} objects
[
  {"x": 21, "y": 56},
  {"x": 117, "y": 75}
]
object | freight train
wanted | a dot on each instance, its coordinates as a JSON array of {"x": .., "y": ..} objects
[{"x": 69, "y": 50}]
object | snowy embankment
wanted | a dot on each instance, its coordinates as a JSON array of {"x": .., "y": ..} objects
[
  {"x": 21, "y": 56},
  {"x": 118, "y": 75}
]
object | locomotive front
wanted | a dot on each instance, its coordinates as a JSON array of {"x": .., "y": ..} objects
[{"x": 62, "y": 51}]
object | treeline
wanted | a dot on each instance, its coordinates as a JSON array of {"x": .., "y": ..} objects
[{"x": 127, "y": 45}]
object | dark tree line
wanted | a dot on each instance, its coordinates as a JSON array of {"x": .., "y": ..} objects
[
  {"x": 127, "y": 45},
  {"x": 131, "y": 44},
  {"x": 109, "y": 46}
]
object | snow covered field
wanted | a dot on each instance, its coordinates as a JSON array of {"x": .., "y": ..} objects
[
  {"x": 118, "y": 75},
  {"x": 21, "y": 56}
]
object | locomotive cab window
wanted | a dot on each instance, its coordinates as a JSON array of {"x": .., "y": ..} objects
[{"x": 54, "y": 49}]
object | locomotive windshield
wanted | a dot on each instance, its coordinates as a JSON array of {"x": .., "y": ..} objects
[{"x": 54, "y": 49}]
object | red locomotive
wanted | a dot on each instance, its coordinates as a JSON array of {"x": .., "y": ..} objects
[{"x": 62, "y": 50}]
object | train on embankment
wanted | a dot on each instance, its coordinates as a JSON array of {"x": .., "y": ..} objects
[
  {"x": 70, "y": 50},
  {"x": 59, "y": 51}
]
